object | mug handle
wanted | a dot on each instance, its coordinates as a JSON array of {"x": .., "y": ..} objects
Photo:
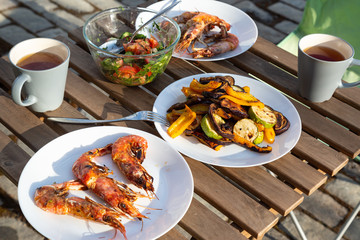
[
  {"x": 354, "y": 84},
  {"x": 16, "y": 91}
]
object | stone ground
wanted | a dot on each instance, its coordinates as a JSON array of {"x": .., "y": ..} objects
[{"x": 321, "y": 215}]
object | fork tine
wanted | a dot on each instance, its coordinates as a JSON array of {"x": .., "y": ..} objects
[
  {"x": 152, "y": 116},
  {"x": 157, "y": 119}
]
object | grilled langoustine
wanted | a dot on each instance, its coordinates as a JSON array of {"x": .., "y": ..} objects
[
  {"x": 95, "y": 177},
  {"x": 128, "y": 153},
  {"x": 53, "y": 198}
]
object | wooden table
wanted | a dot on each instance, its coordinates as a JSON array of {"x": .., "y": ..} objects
[{"x": 250, "y": 200}]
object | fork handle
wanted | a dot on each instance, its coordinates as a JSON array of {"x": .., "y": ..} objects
[{"x": 83, "y": 120}]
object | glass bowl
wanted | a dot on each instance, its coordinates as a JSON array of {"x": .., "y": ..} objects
[{"x": 103, "y": 30}]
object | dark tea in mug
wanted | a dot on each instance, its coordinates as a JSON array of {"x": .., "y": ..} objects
[
  {"x": 324, "y": 53},
  {"x": 39, "y": 61}
]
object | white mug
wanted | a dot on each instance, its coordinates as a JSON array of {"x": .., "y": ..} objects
[
  {"x": 320, "y": 67},
  {"x": 43, "y": 89}
]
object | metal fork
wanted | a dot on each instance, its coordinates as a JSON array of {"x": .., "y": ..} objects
[{"x": 141, "y": 115}]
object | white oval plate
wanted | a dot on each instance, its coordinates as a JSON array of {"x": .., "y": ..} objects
[
  {"x": 242, "y": 25},
  {"x": 54, "y": 161},
  {"x": 232, "y": 155}
]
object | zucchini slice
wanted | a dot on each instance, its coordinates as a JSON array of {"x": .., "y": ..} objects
[
  {"x": 264, "y": 115},
  {"x": 208, "y": 128},
  {"x": 247, "y": 129}
]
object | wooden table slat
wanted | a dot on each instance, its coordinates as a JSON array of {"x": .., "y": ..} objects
[
  {"x": 24, "y": 124},
  {"x": 328, "y": 131},
  {"x": 220, "y": 67},
  {"x": 319, "y": 155},
  {"x": 280, "y": 57},
  {"x": 179, "y": 68},
  {"x": 260, "y": 183},
  {"x": 201, "y": 223},
  {"x": 12, "y": 159},
  {"x": 222, "y": 194},
  {"x": 297, "y": 173},
  {"x": 172, "y": 234}
]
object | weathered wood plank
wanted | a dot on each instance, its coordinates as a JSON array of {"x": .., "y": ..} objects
[
  {"x": 25, "y": 125},
  {"x": 297, "y": 173},
  {"x": 319, "y": 155},
  {"x": 267, "y": 188},
  {"x": 12, "y": 158},
  {"x": 201, "y": 223},
  {"x": 328, "y": 131},
  {"x": 223, "y": 195}
]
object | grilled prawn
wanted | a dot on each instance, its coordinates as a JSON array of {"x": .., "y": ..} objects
[
  {"x": 229, "y": 43},
  {"x": 128, "y": 153},
  {"x": 95, "y": 177},
  {"x": 198, "y": 25},
  {"x": 53, "y": 198}
]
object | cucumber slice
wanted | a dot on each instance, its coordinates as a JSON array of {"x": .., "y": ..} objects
[
  {"x": 264, "y": 115},
  {"x": 246, "y": 128},
  {"x": 208, "y": 128}
]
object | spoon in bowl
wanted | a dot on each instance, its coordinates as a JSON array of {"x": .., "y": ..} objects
[{"x": 118, "y": 46}]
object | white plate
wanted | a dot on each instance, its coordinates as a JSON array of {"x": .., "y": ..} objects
[
  {"x": 232, "y": 155},
  {"x": 54, "y": 161},
  {"x": 241, "y": 24}
]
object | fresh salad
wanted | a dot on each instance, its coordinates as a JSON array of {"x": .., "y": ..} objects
[{"x": 140, "y": 64}]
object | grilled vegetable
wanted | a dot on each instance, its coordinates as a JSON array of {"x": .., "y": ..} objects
[
  {"x": 264, "y": 115},
  {"x": 183, "y": 122},
  {"x": 282, "y": 123},
  {"x": 243, "y": 102},
  {"x": 243, "y": 142},
  {"x": 208, "y": 127},
  {"x": 239, "y": 93},
  {"x": 236, "y": 110},
  {"x": 196, "y": 86},
  {"x": 269, "y": 135},
  {"x": 220, "y": 126},
  {"x": 247, "y": 129},
  {"x": 210, "y": 142},
  {"x": 259, "y": 139},
  {"x": 227, "y": 113}
]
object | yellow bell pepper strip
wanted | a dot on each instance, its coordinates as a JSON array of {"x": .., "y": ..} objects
[
  {"x": 243, "y": 102},
  {"x": 269, "y": 135},
  {"x": 240, "y": 95},
  {"x": 253, "y": 147},
  {"x": 246, "y": 89},
  {"x": 196, "y": 86},
  {"x": 180, "y": 125},
  {"x": 187, "y": 91}
]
